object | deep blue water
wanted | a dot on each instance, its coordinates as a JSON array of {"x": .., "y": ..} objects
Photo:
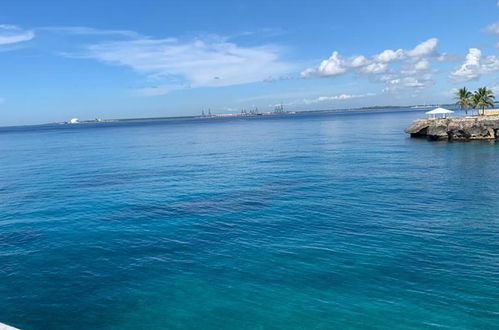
[{"x": 295, "y": 222}]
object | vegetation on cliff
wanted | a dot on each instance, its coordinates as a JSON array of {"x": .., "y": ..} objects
[{"x": 482, "y": 98}]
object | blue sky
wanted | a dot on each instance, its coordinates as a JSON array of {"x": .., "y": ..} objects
[{"x": 117, "y": 59}]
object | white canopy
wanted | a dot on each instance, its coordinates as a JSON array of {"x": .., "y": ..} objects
[{"x": 439, "y": 111}]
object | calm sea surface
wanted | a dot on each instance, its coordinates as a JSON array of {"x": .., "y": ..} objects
[{"x": 293, "y": 222}]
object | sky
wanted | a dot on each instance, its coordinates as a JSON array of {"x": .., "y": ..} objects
[{"x": 150, "y": 58}]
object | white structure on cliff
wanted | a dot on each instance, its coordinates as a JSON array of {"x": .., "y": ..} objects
[{"x": 439, "y": 111}]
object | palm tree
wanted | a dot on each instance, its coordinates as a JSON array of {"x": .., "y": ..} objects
[
  {"x": 463, "y": 97},
  {"x": 475, "y": 99},
  {"x": 483, "y": 98}
]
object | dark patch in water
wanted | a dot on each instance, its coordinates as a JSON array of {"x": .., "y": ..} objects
[{"x": 17, "y": 237}]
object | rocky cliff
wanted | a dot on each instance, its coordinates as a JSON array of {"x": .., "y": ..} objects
[{"x": 456, "y": 129}]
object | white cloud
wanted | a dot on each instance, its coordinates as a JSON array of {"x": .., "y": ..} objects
[
  {"x": 389, "y": 55},
  {"x": 424, "y": 49},
  {"x": 422, "y": 65},
  {"x": 396, "y": 69},
  {"x": 359, "y": 61},
  {"x": 415, "y": 66},
  {"x": 492, "y": 28},
  {"x": 323, "y": 99},
  {"x": 470, "y": 69},
  {"x": 198, "y": 63},
  {"x": 333, "y": 66},
  {"x": 11, "y": 34},
  {"x": 388, "y": 77},
  {"x": 378, "y": 63},
  {"x": 475, "y": 65},
  {"x": 340, "y": 97},
  {"x": 490, "y": 64},
  {"x": 414, "y": 83},
  {"x": 375, "y": 67}
]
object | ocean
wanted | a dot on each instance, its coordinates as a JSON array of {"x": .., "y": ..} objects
[{"x": 306, "y": 221}]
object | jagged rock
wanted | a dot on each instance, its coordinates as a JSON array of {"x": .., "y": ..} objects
[{"x": 456, "y": 129}]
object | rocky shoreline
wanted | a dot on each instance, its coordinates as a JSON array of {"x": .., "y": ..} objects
[{"x": 456, "y": 129}]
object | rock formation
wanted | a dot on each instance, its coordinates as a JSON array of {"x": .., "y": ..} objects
[{"x": 456, "y": 129}]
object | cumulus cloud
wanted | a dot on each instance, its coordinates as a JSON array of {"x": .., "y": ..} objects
[
  {"x": 334, "y": 65},
  {"x": 11, "y": 34},
  {"x": 389, "y": 55},
  {"x": 378, "y": 63},
  {"x": 196, "y": 63},
  {"x": 359, "y": 61},
  {"x": 475, "y": 65},
  {"x": 415, "y": 66},
  {"x": 396, "y": 69},
  {"x": 414, "y": 83},
  {"x": 375, "y": 67},
  {"x": 424, "y": 49},
  {"x": 422, "y": 65},
  {"x": 490, "y": 64}
]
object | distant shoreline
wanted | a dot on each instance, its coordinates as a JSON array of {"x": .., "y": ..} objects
[
  {"x": 234, "y": 115},
  {"x": 238, "y": 115}
]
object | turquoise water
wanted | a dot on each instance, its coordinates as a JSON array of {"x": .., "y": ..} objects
[{"x": 295, "y": 222}]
